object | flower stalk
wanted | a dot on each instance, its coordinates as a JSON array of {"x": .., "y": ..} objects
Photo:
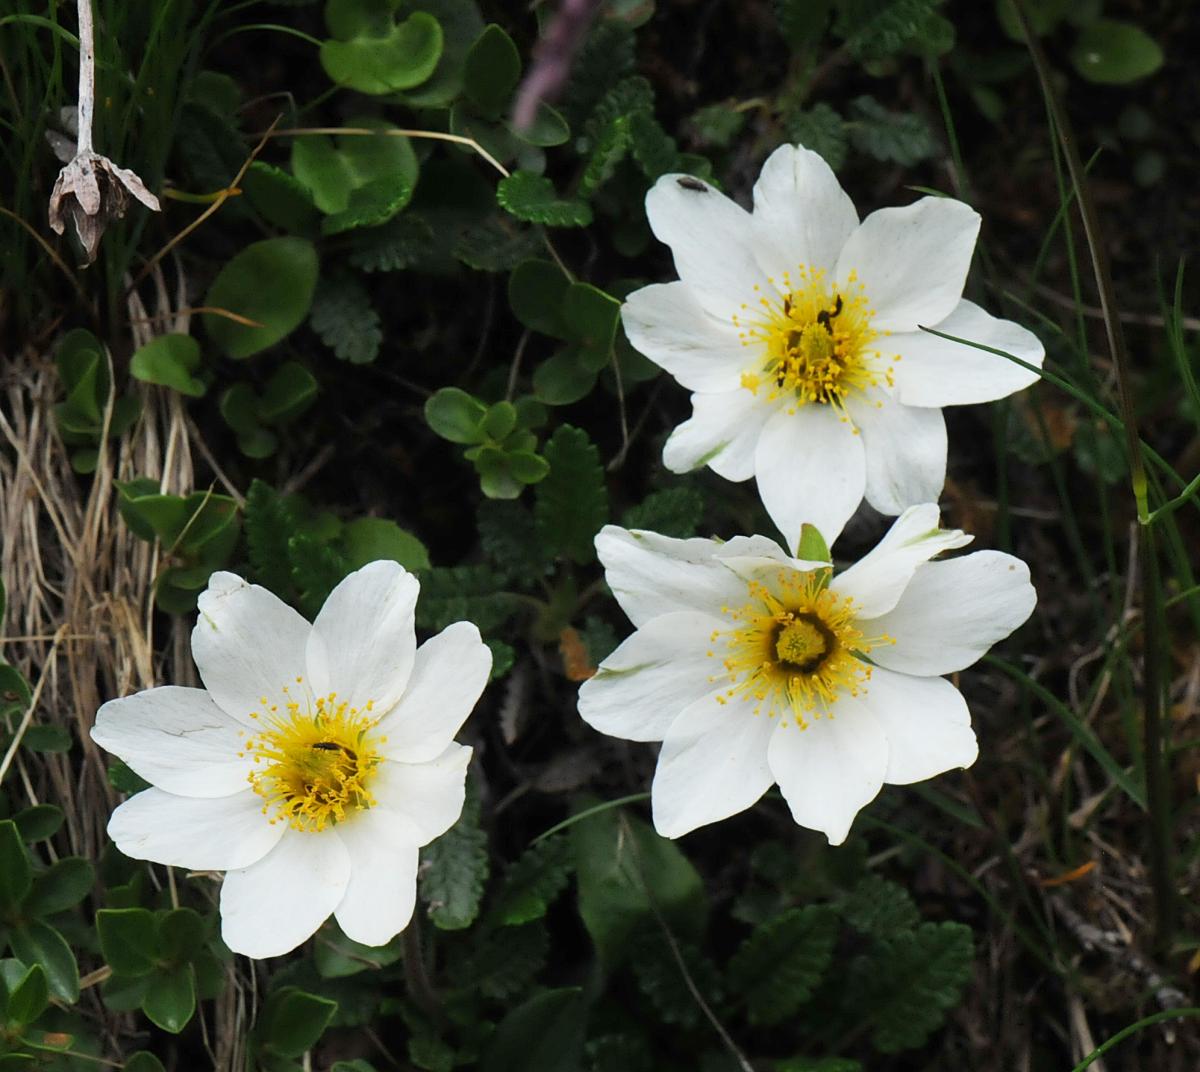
[{"x": 1155, "y": 640}]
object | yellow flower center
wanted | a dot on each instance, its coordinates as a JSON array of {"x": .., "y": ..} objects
[
  {"x": 813, "y": 342},
  {"x": 313, "y": 765},
  {"x": 794, "y": 647}
]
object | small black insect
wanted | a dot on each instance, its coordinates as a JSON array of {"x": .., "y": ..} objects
[
  {"x": 825, "y": 316},
  {"x": 692, "y": 184},
  {"x": 327, "y": 746}
]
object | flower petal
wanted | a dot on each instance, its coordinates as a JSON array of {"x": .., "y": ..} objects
[
  {"x": 937, "y": 372},
  {"x": 912, "y": 261},
  {"x": 363, "y": 642},
  {"x": 713, "y": 764},
  {"x": 657, "y": 672},
  {"x": 832, "y": 769},
  {"x": 212, "y": 834},
  {"x": 248, "y": 644},
  {"x": 802, "y": 216},
  {"x": 927, "y": 725},
  {"x": 428, "y": 796},
  {"x": 721, "y": 433},
  {"x": 952, "y": 612},
  {"x": 810, "y": 469},
  {"x": 448, "y": 677},
  {"x": 877, "y": 580},
  {"x": 176, "y": 738},
  {"x": 906, "y": 454},
  {"x": 651, "y": 574},
  {"x": 272, "y": 906},
  {"x": 710, "y": 239},
  {"x": 382, "y": 892},
  {"x": 666, "y": 323}
]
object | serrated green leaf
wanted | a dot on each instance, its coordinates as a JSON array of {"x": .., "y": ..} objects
[
  {"x": 823, "y": 131},
  {"x": 670, "y": 512},
  {"x": 454, "y": 868},
  {"x": 608, "y": 150},
  {"x": 506, "y": 960},
  {"x": 495, "y": 245},
  {"x": 509, "y": 539},
  {"x": 571, "y": 504},
  {"x": 545, "y": 1033},
  {"x": 463, "y": 593},
  {"x": 653, "y": 148},
  {"x": 269, "y": 282},
  {"x": 533, "y": 882},
  {"x": 779, "y": 965},
  {"x": 910, "y": 981},
  {"x": 268, "y": 524},
  {"x": 879, "y": 908},
  {"x": 900, "y": 137},
  {"x": 317, "y": 568},
  {"x": 876, "y": 29},
  {"x": 343, "y": 316},
  {"x": 398, "y": 244},
  {"x": 662, "y": 981},
  {"x": 532, "y": 198}
]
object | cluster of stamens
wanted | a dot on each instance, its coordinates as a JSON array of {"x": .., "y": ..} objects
[
  {"x": 793, "y": 647},
  {"x": 813, "y": 341},
  {"x": 314, "y": 760}
]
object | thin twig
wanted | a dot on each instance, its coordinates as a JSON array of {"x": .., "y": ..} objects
[{"x": 27, "y": 718}]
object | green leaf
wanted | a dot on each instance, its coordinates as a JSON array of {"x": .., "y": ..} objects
[
  {"x": 819, "y": 1064},
  {"x": 288, "y": 394},
  {"x": 47, "y": 738},
  {"x": 461, "y": 25},
  {"x": 61, "y": 886},
  {"x": 823, "y": 131},
  {"x": 372, "y": 538},
  {"x": 293, "y": 1021},
  {"x": 1113, "y": 52},
  {"x": 779, "y": 965},
  {"x": 879, "y": 908},
  {"x": 572, "y": 502},
  {"x": 536, "y": 290},
  {"x": 910, "y": 981},
  {"x": 317, "y": 568},
  {"x": 400, "y": 243},
  {"x": 181, "y": 935},
  {"x": 269, "y": 282},
  {"x": 621, "y": 863},
  {"x": 533, "y": 882},
  {"x": 900, "y": 137},
  {"x": 506, "y": 961},
  {"x": 35, "y": 942},
  {"x": 268, "y": 524},
  {"x": 812, "y": 546},
  {"x": 670, "y": 512},
  {"x": 876, "y": 29},
  {"x": 532, "y": 198},
  {"x": 509, "y": 539},
  {"x": 549, "y": 128},
  {"x": 128, "y": 940},
  {"x": 343, "y": 316},
  {"x": 545, "y": 1033},
  {"x": 495, "y": 245},
  {"x": 170, "y": 998},
  {"x": 802, "y": 22},
  {"x": 661, "y": 979},
  {"x": 38, "y": 822},
  {"x": 27, "y": 1000},
  {"x": 454, "y": 868},
  {"x": 491, "y": 71},
  {"x": 591, "y": 317},
  {"x": 143, "y": 1061},
  {"x": 373, "y": 54},
  {"x": 463, "y": 593},
  {"x": 15, "y": 874},
  {"x": 279, "y": 197},
  {"x": 455, "y": 415},
  {"x": 169, "y": 361},
  {"x": 653, "y": 148}
]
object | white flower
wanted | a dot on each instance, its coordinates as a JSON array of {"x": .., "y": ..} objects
[
  {"x": 752, "y": 670},
  {"x": 797, "y": 329},
  {"x": 316, "y": 763}
]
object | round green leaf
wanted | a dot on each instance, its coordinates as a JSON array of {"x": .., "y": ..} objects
[
  {"x": 455, "y": 415},
  {"x": 269, "y": 282},
  {"x": 279, "y": 197},
  {"x": 532, "y": 198},
  {"x": 491, "y": 71},
  {"x": 371, "y": 538},
  {"x": 385, "y": 58},
  {"x": 1115, "y": 52},
  {"x": 536, "y": 290},
  {"x": 169, "y": 361},
  {"x": 563, "y": 378}
]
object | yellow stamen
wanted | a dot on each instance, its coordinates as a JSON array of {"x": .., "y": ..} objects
[
  {"x": 812, "y": 342},
  {"x": 314, "y": 766},
  {"x": 794, "y": 647}
]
